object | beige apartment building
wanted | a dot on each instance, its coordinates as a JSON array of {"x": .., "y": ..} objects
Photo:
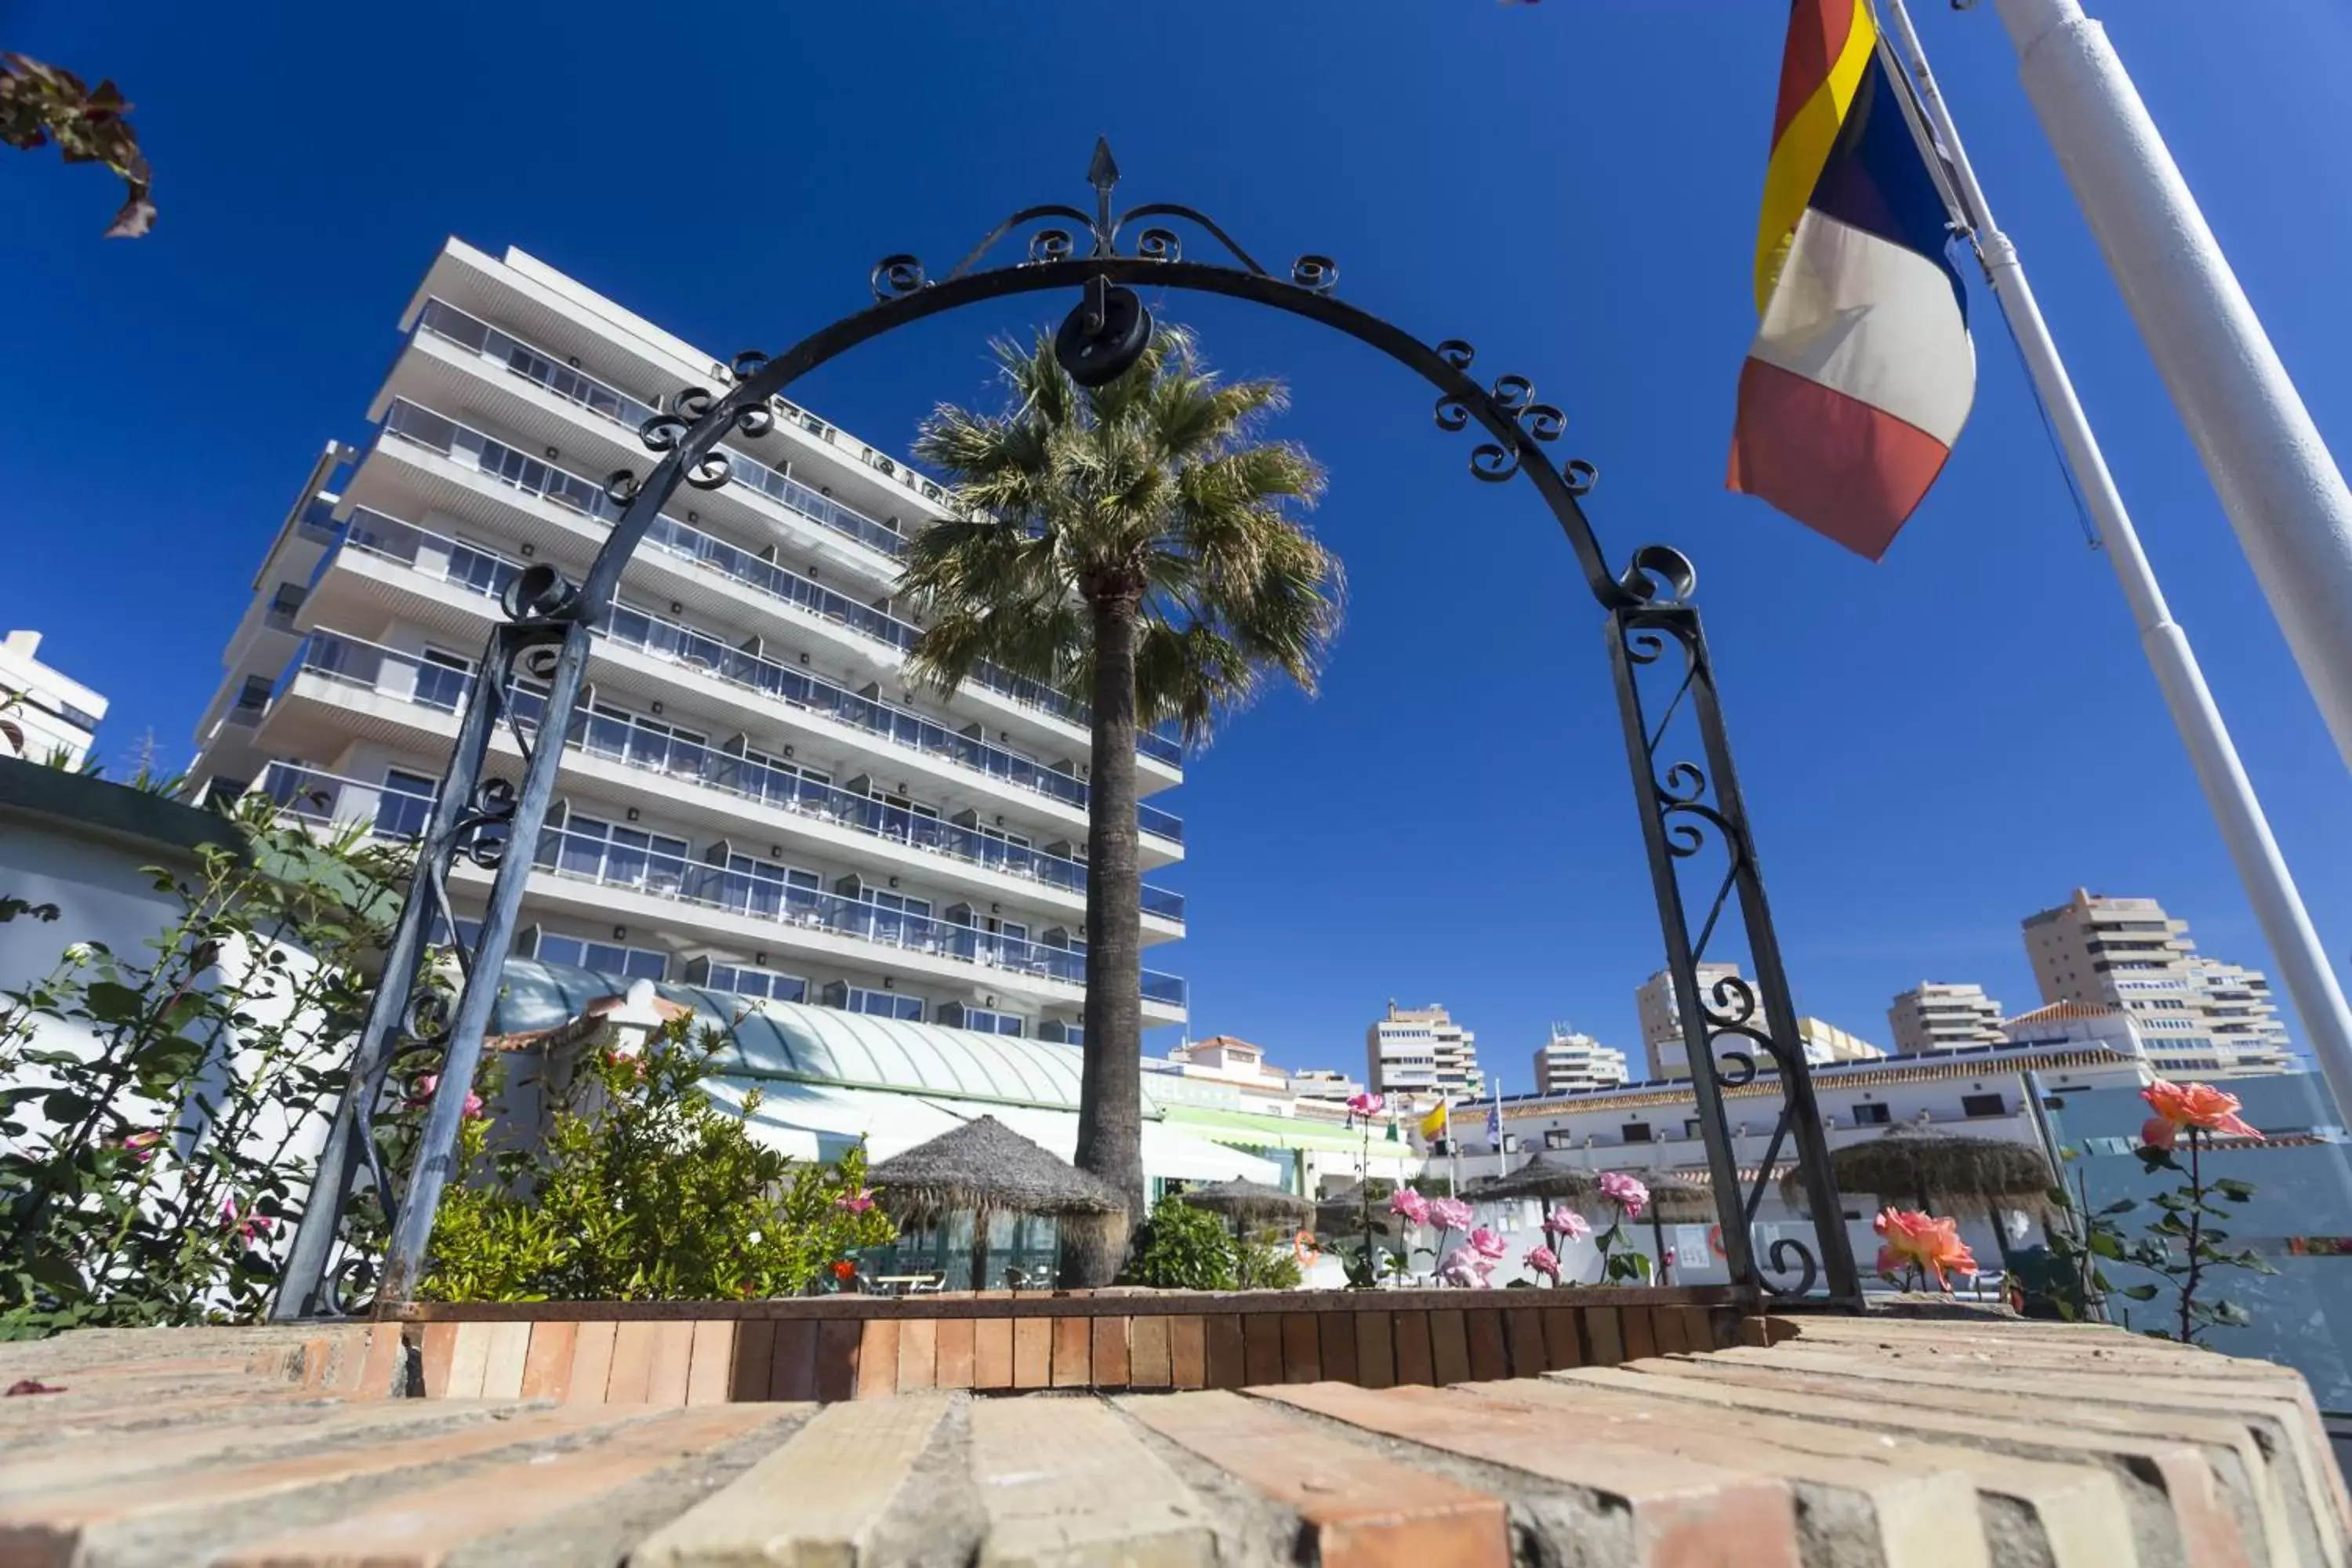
[
  {"x": 1422, "y": 1053},
  {"x": 1943, "y": 1016},
  {"x": 2197, "y": 1015},
  {"x": 1571, "y": 1060},
  {"x": 1661, "y": 1021}
]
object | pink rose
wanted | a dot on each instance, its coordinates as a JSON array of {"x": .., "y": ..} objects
[
  {"x": 1565, "y": 1221},
  {"x": 855, "y": 1203},
  {"x": 1626, "y": 1192},
  {"x": 1544, "y": 1261},
  {"x": 1366, "y": 1105},
  {"x": 1487, "y": 1244},
  {"x": 1409, "y": 1206},
  {"x": 1451, "y": 1213},
  {"x": 141, "y": 1146},
  {"x": 1466, "y": 1268}
]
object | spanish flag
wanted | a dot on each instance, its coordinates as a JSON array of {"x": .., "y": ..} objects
[
  {"x": 1862, "y": 372},
  {"x": 1437, "y": 1123}
]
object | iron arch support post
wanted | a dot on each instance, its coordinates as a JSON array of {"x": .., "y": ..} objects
[
  {"x": 403, "y": 1011},
  {"x": 1689, "y": 807},
  {"x": 499, "y": 826}
]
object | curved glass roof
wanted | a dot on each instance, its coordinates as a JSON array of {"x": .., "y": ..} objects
[{"x": 826, "y": 1044}]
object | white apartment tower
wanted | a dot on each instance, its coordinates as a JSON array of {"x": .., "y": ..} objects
[
  {"x": 1422, "y": 1053},
  {"x": 2197, "y": 1016},
  {"x": 44, "y": 712},
  {"x": 1941, "y": 1015},
  {"x": 754, "y": 798},
  {"x": 1662, "y": 1020},
  {"x": 1570, "y": 1061}
]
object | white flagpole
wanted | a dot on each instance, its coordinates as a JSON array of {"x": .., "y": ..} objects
[
  {"x": 2277, "y": 481},
  {"x": 2310, "y": 983}
]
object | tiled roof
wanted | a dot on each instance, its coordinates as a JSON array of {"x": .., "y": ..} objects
[
  {"x": 1893, "y": 1071},
  {"x": 2057, "y": 1010}
]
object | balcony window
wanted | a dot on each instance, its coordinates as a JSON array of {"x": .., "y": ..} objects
[
  {"x": 282, "y": 606},
  {"x": 253, "y": 695},
  {"x": 1066, "y": 1034},
  {"x": 986, "y": 1020},
  {"x": 763, "y": 888},
  {"x": 1871, "y": 1113},
  {"x": 1983, "y": 1105},
  {"x": 881, "y": 1003},
  {"x": 604, "y": 957},
  {"x": 1635, "y": 1132},
  {"x": 1559, "y": 1138},
  {"x": 406, "y": 806},
  {"x": 611, "y": 853},
  {"x": 442, "y": 679},
  {"x": 743, "y": 980}
]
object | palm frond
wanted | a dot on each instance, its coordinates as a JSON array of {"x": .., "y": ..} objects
[{"x": 1154, "y": 486}]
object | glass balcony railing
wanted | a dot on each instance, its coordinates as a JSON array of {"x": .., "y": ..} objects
[
  {"x": 348, "y": 662},
  {"x": 521, "y": 359},
  {"x": 531, "y": 476},
  {"x": 625, "y": 860},
  {"x": 488, "y": 575},
  {"x": 535, "y": 365},
  {"x": 638, "y": 746},
  {"x": 354, "y": 663}
]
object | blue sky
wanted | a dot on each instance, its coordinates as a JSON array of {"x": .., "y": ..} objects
[{"x": 1932, "y": 748}]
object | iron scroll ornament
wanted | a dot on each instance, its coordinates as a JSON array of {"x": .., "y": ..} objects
[{"x": 1059, "y": 248}]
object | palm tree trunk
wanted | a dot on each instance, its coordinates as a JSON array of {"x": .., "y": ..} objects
[{"x": 1110, "y": 1096}]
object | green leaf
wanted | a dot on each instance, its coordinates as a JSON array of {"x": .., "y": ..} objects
[
  {"x": 2107, "y": 1245},
  {"x": 2121, "y": 1205},
  {"x": 2236, "y": 1191},
  {"x": 112, "y": 1004},
  {"x": 2139, "y": 1292}
]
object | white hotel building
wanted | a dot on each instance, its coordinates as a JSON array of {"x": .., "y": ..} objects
[{"x": 755, "y": 798}]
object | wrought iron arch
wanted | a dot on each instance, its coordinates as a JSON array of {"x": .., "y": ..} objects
[{"x": 1686, "y": 806}]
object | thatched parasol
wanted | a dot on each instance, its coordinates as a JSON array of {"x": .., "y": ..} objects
[
  {"x": 1250, "y": 1203},
  {"x": 986, "y": 1168},
  {"x": 1909, "y": 1163},
  {"x": 1678, "y": 1200},
  {"x": 1540, "y": 1177},
  {"x": 1343, "y": 1212}
]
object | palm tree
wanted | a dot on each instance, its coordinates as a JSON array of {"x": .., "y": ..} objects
[{"x": 1133, "y": 545}]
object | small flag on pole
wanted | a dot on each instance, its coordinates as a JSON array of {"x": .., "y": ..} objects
[
  {"x": 1434, "y": 1124},
  {"x": 1494, "y": 1125},
  {"x": 1861, "y": 373}
]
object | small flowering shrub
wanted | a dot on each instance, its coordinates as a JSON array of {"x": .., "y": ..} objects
[
  {"x": 2185, "y": 1243},
  {"x": 646, "y": 1190},
  {"x": 1620, "y": 1259},
  {"x": 156, "y": 1106}
]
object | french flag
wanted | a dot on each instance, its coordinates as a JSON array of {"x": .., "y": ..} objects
[{"x": 1862, "y": 372}]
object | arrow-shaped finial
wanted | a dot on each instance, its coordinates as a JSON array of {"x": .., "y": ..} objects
[{"x": 1102, "y": 173}]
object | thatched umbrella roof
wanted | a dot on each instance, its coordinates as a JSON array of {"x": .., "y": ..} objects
[
  {"x": 1250, "y": 1203},
  {"x": 1540, "y": 1177},
  {"x": 1678, "y": 1200},
  {"x": 1344, "y": 1211},
  {"x": 1911, "y": 1163},
  {"x": 986, "y": 1168}
]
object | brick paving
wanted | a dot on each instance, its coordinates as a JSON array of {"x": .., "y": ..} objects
[{"x": 1843, "y": 1443}]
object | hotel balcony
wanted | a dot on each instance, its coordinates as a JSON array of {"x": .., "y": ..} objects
[
  {"x": 596, "y": 879},
  {"x": 341, "y": 690},
  {"x": 424, "y": 461},
  {"x": 386, "y": 571}
]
